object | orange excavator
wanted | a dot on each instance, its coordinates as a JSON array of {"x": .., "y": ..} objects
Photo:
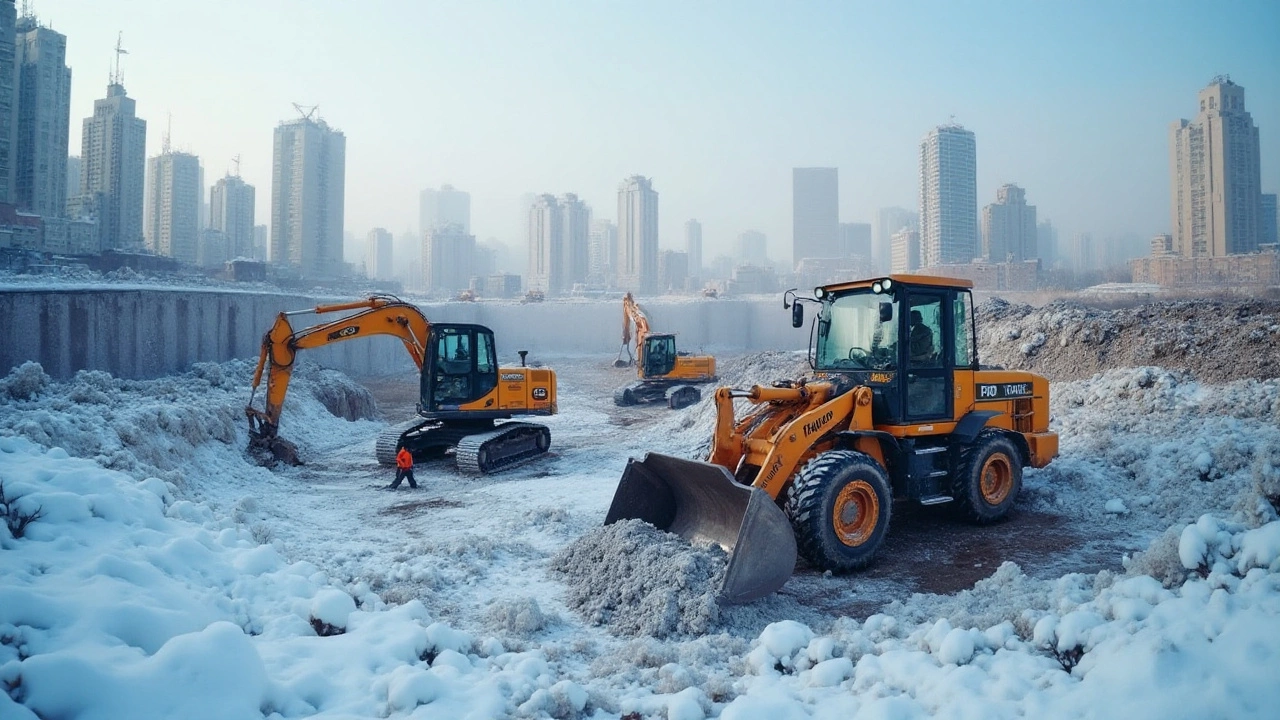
[
  {"x": 463, "y": 392},
  {"x": 665, "y": 374}
]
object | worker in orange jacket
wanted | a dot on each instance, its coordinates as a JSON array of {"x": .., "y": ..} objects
[{"x": 404, "y": 470}]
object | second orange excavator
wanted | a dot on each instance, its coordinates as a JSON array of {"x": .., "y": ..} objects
[
  {"x": 463, "y": 394},
  {"x": 665, "y": 374}
]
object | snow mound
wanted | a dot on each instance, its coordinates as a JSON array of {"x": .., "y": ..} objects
[{"x": 638, "y": 580}]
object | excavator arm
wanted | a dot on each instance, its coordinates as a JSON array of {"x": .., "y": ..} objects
[
  {"x": 378, "y": 315},
  {"x": 632, "y": 315}
]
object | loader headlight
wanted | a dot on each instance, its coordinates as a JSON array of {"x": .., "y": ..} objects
[
  {"x": 819, "y": 293},
  {"x": 886, "y": 284},
  {"x": 876, "y": 287}
]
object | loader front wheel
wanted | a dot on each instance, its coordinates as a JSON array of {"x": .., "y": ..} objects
[
  {"x": 839, "y": 506},
  {"x": 989, "y": 479}
]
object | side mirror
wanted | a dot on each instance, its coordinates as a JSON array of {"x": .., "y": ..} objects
[
  {"x": 886, "y": 312},
  {"x": 797, "y": 315}
]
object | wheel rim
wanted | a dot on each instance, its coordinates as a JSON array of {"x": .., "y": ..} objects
[
  {"x": 997, "y": 479},
  {"x": 856, "y": 512}
]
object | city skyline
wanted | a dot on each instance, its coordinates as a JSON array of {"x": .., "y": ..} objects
[{"x": 1063, "y": 151}]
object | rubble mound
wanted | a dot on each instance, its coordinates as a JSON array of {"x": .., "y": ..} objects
[
  {"x": 638, "y": 580},
  {"x": 1215, "y": 340}
]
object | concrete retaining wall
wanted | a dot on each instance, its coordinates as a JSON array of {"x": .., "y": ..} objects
[{"x": 145, "y": 333}]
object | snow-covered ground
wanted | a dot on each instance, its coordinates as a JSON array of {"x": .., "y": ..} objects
[{"x": 167, "y": 576}]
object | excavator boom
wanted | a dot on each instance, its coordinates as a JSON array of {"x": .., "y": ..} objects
[{"x": 378, "y": 315}]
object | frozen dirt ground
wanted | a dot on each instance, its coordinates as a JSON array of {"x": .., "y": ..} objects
[{"x": 928, "y": 550}]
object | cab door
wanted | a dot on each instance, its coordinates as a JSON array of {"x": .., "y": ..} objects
[
  {"x": 460, "y": 368},
  {"x": 926, "y": 334}
]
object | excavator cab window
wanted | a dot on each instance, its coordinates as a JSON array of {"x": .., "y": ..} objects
[
  {"x": 659, "y": 355},
  {"x": 461, "y": 366}
]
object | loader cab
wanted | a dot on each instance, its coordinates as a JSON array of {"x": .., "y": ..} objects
[
  {"x": 903, "y": 339},
  {"x": 461, "y": 367},
  {"x": 659, "y": 356}
]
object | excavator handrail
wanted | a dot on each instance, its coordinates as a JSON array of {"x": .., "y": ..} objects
[{"x": 281, "y": 343}]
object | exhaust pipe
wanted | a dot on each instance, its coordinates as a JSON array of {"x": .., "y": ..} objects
[{"x": 702, "y": 503}]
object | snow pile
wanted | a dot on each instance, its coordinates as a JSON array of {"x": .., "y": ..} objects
[
  {"x": 156, "y": 427},
  {"x": 1151, "y": 449},
  {"x": 639, "y": 580},
  {"x": 1217, "y": 340},
  {"x": 1129, "y": 646},
  {"x": 123, "y": 602}
]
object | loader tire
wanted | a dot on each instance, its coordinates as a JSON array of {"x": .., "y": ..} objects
[
  {"x": 989, "y": 479},
  {"x": 839, "y": 506}
]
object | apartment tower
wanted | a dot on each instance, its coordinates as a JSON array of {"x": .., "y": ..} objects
[
  {"x": 948, "y": 196},
  {"x": 1215, "y": 166},
  {"x": 637, "y": 236},
  {"x": 308, "y": 186}
]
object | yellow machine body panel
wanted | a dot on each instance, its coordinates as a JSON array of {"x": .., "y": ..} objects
[{"x": 521, "y": 390}]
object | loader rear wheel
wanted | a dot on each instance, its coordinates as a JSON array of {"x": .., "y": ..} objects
[
  {"x": 839, "y": 506},
  {"x": 989, "y": 480}
]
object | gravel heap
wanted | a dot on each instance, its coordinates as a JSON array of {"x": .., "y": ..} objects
[
  {"x": 640, "y": 581},
  {"x": 1215, "y": 340}
]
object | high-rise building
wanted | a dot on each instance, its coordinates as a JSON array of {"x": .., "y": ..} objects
[
  {"x": 232, "y": 209},
  {"x": 948, "y": 196},
  {"x": 1047, "y": 242},
  {"x": 815, "y": 213},
  {"x": 855, "y": 240},
  {"x": 8, "y": 98},
  {"x": 261, "y": 239},
  {"x": 546, "y": 246},
  {"x": 1268, "y": 222},
  {"x": 905, "y": 249},
  {"x": 889, "y": 221},
  {"x": 1084, "y": 253},
  {"x": 446, "y": 206},
  {"x": 1009, "y": 227},
  {"x": 751, "y": 248},
  {"x": 604, "y": 252},
  {"x": 693, "y": 247},
  {"x": 73, "y": 177},
  {"x": 43, "y": 119},
  {"x": 448, "y": 256},
  {"x": 113, "y": 161},
  {"x": 379, "y": 256},
  {"x": 173, "y": 206},
  {"x": 1215, "y": 166},
  {"x": 637, "y": 235},
  {"x": 308, "y": 189},
  {"x": 576, "y": 226},
  {"x": 673, "y": 270}
]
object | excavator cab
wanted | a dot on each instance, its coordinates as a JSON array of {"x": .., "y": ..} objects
[
  {"x": 461, "y": 367},
  {"x": 659, "y": 355}
]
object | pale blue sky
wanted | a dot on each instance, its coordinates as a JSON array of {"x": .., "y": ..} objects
[{"x": 716, "y": 101}]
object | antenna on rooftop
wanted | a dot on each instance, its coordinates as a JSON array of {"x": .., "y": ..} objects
[
  {"x": 116, "y": 77},
  {"x": 236, "y": 161},
  {"x": 306, "y": 111},
  {"x": 168, "y": 131}
]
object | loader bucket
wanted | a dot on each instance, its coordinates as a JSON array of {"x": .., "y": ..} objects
[{"x": 703, "y": 504}]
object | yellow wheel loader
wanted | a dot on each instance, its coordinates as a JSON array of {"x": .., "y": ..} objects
[
  {"x": 898, "y": 410},
  {"x": 463, "y": 392},
  {"x": 665, "y": 375}
]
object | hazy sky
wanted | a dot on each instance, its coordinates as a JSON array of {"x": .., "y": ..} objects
[{"x": 716, "y": 101}]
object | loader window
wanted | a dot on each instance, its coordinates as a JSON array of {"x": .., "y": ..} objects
[
  {"x": 851, "y": 335},
  {"x": 963, "y": 308}
]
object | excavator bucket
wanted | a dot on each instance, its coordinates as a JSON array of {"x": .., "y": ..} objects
[{"x": 703, "y": 504}]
